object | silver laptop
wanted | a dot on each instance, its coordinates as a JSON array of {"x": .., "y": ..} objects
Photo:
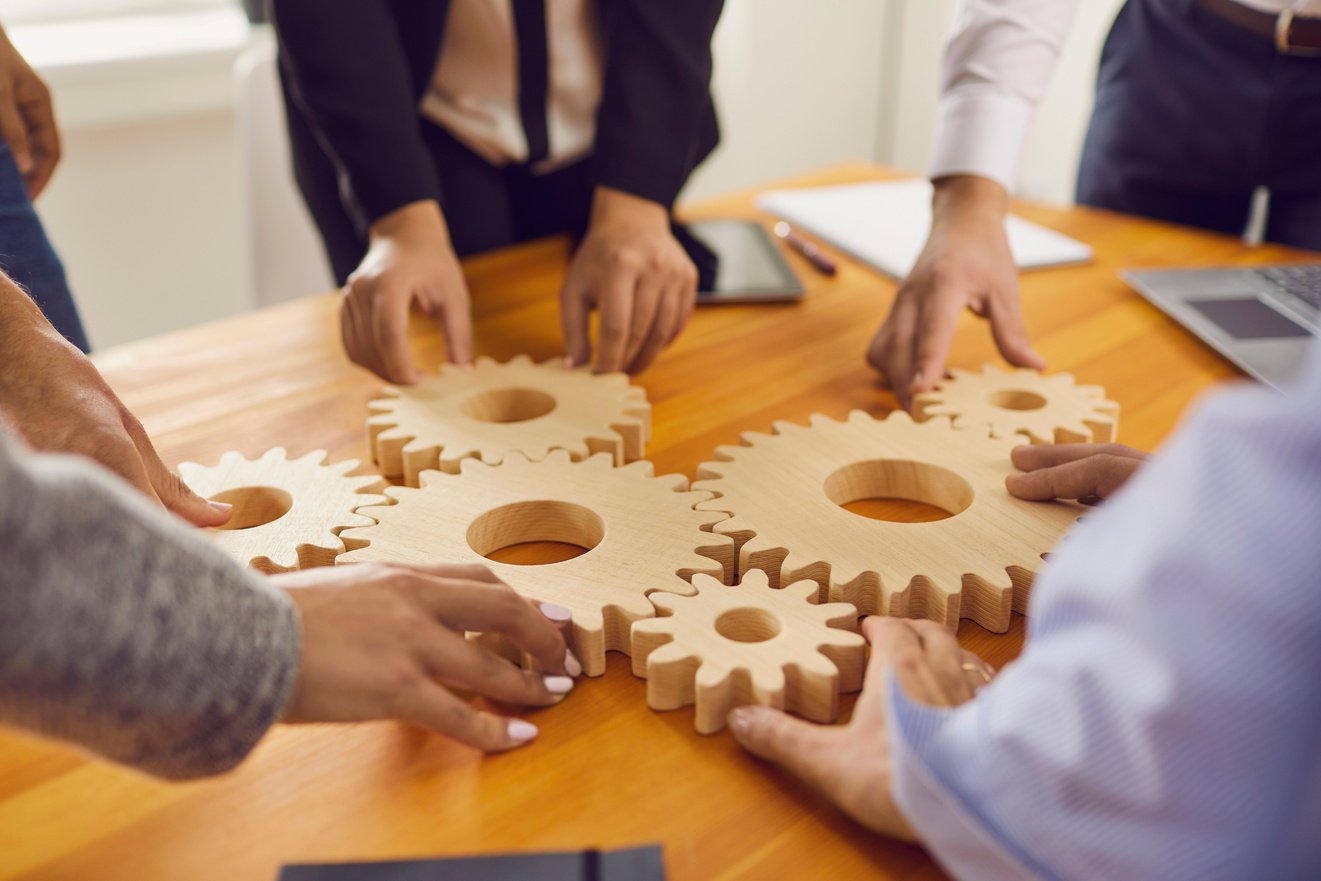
[{"x": 1261, "y": 318}]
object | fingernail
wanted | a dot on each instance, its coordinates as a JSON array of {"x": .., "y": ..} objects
[
  {"x": 571, "y": 664},
  {"x": 556, "y": 613},
  {"x": 222, "y": 507},
  {"x": 520, "y": 731},
  {"x": 740, "y": 720},
  {"x": 558, "y": 684},
  {"x": 569, "y": 362}
]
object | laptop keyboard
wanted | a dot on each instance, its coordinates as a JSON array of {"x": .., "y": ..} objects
[{"x": 1301, "y": 283}]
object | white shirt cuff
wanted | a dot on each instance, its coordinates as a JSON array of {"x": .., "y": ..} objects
[{"x": 981, "y": 132}]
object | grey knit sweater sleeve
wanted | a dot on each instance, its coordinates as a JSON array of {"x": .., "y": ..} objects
[{"x": 123, "y": 632}]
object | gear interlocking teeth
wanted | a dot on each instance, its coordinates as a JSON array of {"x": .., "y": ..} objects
[
  {"x": 785, "y": 494},
  {"x": 726, "y": 647},
  {"x": 1046, "y": 409},
  {"x": 642, "y": 534},
  {"x": 493, "y": 409},
  {"x": 287, "y": 514}
]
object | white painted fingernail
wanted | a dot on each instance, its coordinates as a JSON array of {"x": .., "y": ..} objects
[
  {"x": 521, "y": 731},
  {"x": 558, "y": 684},
  {"x": 740, "y": 720},
  {"x": 571, "y": 664},
  {"x": 556, "y": 613}
]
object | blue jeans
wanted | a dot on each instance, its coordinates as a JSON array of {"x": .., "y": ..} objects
[
  {"x": 27, "y": 257},
  {"x": 1193, "y": 114}
]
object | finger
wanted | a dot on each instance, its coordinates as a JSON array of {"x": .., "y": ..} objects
[
  {"x": 356, "y": 334},
  {"x": 1010, "y": 332},
  {"x": 1096, "y": 476},
  {"x": 465, "y": 664},
  {"x": 168, "y": 487},
  {"x": 669, "y": 317},
  {"x": 897, "y": 355},
  {"x": 456, "y": 326},
  {"x": 483, "y": 607},
  {"x": 616, "y": 320},
  {"x": 945, "y": 660},
  {"x": 809, "y": 752},
  {"x": 1030, "y": 457},
  {"x": 643, "y": 328},
  {"x": 14, "y": 131},
  {"x": 575, "y": 322},
  {"x": 390, "y": 336},
  {"x": 431, "y": 706},
  {"x": 936, "y": 324},
  {"x": 44, "y": 138},
  {"x": 888, "y": 638}
]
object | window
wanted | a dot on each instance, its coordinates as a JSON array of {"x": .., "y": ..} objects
[{"x": 27, "y": 11}]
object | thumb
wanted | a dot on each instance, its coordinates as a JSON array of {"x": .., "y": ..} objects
[
  {"x": 178, "y": 499},
  {"x": 809, "y": 752}
]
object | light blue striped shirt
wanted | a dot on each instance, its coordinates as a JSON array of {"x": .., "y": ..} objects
[{"x": 1164, "y": 720}]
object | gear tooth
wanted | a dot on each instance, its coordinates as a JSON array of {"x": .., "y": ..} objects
[
  {"x": 784, "y": 426},
  {"x": 753, "y": 438},
  {"x": 521, "y": 360},
  {"x": 426, "y": 479},
  {"x": 754, "y": 579},
  {"x": 641, "y": 468},
  {"x": 673, "y": 652},
  {"x": 274, "y": 454},
  {"x": 484, "y": 362},
  {"x": 895, "y": 417},
  {"x": 803, "y": 589},
  {"x": 664, "y": 601},
  {"x": 600, "y": 461}
]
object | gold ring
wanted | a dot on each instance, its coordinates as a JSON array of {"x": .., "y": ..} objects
[{"x": 979, "y": 668}]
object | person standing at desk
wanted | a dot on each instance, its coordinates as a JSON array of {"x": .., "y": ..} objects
[
  {"x": 1198, "y": 102},
  {"x": 424, "y": 132}
]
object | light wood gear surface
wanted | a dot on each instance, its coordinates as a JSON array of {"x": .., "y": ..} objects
[
  {"x": 287, "y": 513},
  {"x": 606, "y": 770},
  {"x": 494, "y": 409},
  {"x": 785, "y": 493},
  {"x": 1049, "y": 408},
  {"x": 726, "y": 647},
  {"x": 642, "y": 534}
]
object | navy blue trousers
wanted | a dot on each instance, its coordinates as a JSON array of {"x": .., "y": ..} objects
[
  {"x": 27, "y": 257},
  {"x": 1193, "y": 114}
]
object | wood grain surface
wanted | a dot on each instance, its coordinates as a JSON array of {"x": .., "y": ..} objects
[{"x": 606, "y": 770}]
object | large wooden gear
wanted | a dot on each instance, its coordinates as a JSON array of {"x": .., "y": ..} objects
[
  {"x": 494, "y": 409},
  {"x": 1046, "y": 409},
  {"x": 726, "y": 647},
  {"x": 785, "y": 494},
  {"x": 287, "y": 514},
  {"x": 642, "y": 532}
]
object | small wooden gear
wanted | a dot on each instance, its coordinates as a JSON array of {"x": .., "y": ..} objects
[
  {"x": 287, "y": 513},
  {"x": 785, "y": 494},
  {"x": 1047, "y": 409},
  {"x": 726, "y": 647},
  {"x": 642, "y": 534},
  {"x": 493, "y": 409}
]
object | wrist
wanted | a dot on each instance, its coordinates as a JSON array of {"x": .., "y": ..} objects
[
  {"x": 969, "y": 197},
  {"x": 611, "y": 207},
  {"x": 421, "y": 222}
]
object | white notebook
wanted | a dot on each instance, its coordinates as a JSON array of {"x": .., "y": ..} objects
[{"x": 885, "y": 225}]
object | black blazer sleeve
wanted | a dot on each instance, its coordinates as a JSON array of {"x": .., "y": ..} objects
[
  {"x": 347, "y": 73},
  {"x": 656, "y": 119}
]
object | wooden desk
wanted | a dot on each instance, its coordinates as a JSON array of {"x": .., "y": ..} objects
[{"x": 606, "y": 771}]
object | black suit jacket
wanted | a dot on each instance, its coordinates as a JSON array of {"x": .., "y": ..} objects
[{"x": 354, "y": 73}]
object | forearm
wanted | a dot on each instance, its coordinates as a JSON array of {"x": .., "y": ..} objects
[
  {"x": 125, "y": 634},
  {"x": 998, "y": 62}
]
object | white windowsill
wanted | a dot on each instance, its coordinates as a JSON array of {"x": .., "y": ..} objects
[{"x": 137, "y": 67}]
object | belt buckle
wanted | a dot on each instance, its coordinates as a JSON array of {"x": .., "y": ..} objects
[{"x": 1283, "y": 30}]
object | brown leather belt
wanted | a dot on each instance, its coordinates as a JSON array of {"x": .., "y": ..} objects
[{"x": 1292, "y": 34}]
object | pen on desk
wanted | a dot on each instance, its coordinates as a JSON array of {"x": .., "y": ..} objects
[{"x": 814, "y": 255}]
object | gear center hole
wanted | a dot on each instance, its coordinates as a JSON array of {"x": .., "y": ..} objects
[
  {"x": 253, "y": 506},
  {"x": 748, "y": 624},
  {"x": 899, "y": 491},
  {"x": 1016, "y": 399},
  {"x": 536, "y": 533},
  {"x": 507, "y": 405}
]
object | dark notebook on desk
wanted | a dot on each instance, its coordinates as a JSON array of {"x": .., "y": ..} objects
[{"x": 638, "y": 864}]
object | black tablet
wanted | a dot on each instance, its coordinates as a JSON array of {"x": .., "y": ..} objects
[{"x": 737, "y": 262}]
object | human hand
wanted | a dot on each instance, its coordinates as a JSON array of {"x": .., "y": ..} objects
[
  {"x": 409, "y": 260},
  {"x": 851, "y": 764},
  {"x": 27, "y": 119},
  {"x": 387, "y": 642},
  {"x": 1072, "y": 471},
  {"x": 59, "y": 403},
  {"x": 631, "y": 268},
  {"x": 966, "y": 264}
]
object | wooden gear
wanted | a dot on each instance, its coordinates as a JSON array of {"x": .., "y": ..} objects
[
  {"x": 287, "y": 513},
  {"x": 785, "y": 494},
  {"x": 1047, "y": 409},
  {"x": 642, "y": 533},
  {"x": 493, "y": 409},
  {"x": 726, "y": 647}
]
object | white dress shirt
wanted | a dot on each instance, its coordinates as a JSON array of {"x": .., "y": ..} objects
[
  {"x": 1164, "y": 719},
  {"x": 998, "y": 62},
  {"x": 474, "y": 94}
]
